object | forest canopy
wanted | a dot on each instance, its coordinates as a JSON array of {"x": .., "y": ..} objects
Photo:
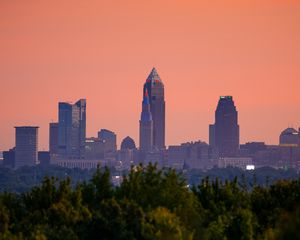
[{"x": 151, "y": 203}]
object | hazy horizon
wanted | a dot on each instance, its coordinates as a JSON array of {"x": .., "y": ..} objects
[{"x": 103, "y": 51}]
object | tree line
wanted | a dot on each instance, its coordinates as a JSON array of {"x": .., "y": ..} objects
[
  {"x": 23, "y": 179},
  {"x": 151, "y": 203}
]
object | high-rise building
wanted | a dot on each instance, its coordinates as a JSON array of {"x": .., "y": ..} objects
[
  {"x": 72, "y": 129},
  {"x": 26, "y": 146},
  {"x": 53, "y": 139},
  {"x": 155, "y": 88},
  {"x": 146, "y": 125},
  {"x": 226, "y": 128},
  {"x": 109, "y": 138}
]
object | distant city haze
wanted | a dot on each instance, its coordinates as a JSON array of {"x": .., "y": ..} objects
[{"x": 103, "y": 51}]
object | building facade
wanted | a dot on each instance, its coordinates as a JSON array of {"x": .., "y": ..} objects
[
  {"x": 191, "y": 155},
  {"x": 109, "y": 138},
  {"x": 53, "y": 139},
  {"x": 155, "y": 90},
  {"x": 239, "y": 162},
  {"x": 72, "y": 129},
  {"x": 289, "y": 138},
  {"x": 128, "y": 143},
  {"x": 146, "y": 125},
  {"x": 226, "y": 128},
  {"x": 26, "y": 146},
  {"x": 9, "y": 158}
]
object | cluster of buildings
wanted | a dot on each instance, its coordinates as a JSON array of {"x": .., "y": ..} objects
[{"x": 70, "y": 147}]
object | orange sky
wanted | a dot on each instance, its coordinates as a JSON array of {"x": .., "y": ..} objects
[{"x": 63, "y": 50}]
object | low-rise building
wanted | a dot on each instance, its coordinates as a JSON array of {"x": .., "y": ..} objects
[{"x": 240, "y": 162}]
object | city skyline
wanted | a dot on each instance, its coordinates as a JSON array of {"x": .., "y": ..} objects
[
  {"x": 145, "y": 93},
  {"x": 99, "y": 51}
]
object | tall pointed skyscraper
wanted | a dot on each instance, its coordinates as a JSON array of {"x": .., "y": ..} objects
[
  {"x": 155, "y": 89},
  {"x": 146, "y": 125}
]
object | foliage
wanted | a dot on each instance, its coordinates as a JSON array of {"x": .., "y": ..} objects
[{"x": 151, "y": 203}]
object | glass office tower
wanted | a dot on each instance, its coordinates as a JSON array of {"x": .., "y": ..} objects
[{"x": 72, "y": 129}]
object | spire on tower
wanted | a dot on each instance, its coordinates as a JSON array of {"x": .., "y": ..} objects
[{"x": 153, "y": 76}]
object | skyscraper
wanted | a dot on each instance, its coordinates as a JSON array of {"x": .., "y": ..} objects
[
  {"x": 53, "y": 139},
  {"x": 72, "y": 129},
  {"x": 155, "y": 89},
  {"x": 226, "y": 128},
  {"x": 26, "y": 146},
  {"x": 146, "y": 125}
]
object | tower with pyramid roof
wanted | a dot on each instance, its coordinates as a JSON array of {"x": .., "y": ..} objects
[{"x": 154, "y": 88}]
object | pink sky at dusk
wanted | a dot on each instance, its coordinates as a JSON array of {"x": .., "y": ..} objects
[{"x": 103, "y": 51}]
